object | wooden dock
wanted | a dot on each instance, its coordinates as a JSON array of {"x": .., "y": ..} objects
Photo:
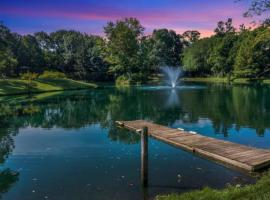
[{"x": 240, "y": 156}]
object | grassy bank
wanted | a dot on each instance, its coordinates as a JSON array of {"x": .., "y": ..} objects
[
  {"x": 225, "y": 80},
  {"x": 17, "y": 86},
  {"x": 258, "y": 191},
  {"x": 208, "y": 79}
]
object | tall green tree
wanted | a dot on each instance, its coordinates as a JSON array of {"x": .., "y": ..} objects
[
  {"x": 253, "y": 57},
  {"x": 222, "y": 56},
  {"x": 167, "y": 47},
  {"x": 196, "y": 57},
  {"x": 8, "y": 61},
  {"x": 29, "y": 53},
  {"x": 123, "y": 45}
]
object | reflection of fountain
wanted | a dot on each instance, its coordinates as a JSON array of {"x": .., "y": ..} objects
[
  {"x": 173, "y": 99},
  {"x": 173, "y": 74}
]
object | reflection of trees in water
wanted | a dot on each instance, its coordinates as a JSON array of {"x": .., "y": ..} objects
[
  {"x": 7, "y": 179},
  {"x": 238, "y": 106},
  {"x": 7, "y": 176},
  {"x": 225, "y": 106}
]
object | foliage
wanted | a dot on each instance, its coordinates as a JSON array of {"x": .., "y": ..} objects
[
  {"x": 191, "y": 36},
  {"x": 252, "y": 59},
  {"x": 7, "y": 179},
  {"x": 123, "y": 46},
  {"x": 126, "y": 51},
  {"x": 224, "y": 27},
  {"x": 195, "y": 58},
  {"x": 258, "y": 191},
  {"x": 29, "y": 77},
  {"x": 230, "y": 53},
  {"x": 222, "y": 55},
  {"x": 122, "y": 81},
  {"x": 166, "y": 48},
  {"x": 257, "y": 7},
  {"x": 8, "y": 61},
  {"x": 52, "y": 75}
]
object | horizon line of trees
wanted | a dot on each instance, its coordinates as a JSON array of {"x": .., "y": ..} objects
[{"x": 126, "y": 52}]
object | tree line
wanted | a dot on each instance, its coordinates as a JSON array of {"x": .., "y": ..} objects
[
  {"x": 127, "y": 52},
  {"x": 243, "y": 53}
]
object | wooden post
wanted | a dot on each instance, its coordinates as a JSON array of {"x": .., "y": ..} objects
[{"x": 144, "y": 157}]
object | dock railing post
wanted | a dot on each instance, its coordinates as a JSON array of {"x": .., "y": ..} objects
[{"x": 144, "y": 157}]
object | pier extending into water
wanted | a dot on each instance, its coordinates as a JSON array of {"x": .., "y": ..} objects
[{"x": 244, "y": 157}]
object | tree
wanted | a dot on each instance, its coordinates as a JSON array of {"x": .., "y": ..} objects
[
  {"x": 224, "y": 27},
  {"x": 257, "y": 7},
  {"x": 253, "y": 58},
  {"x": 123, "y": 46},
  {"x": 222, "y": 56},
  {"x": 79, "y": 55},
  {"x": 46, "y": 45},
  {"x": 167, "y": 47},
  {"x": 191, "y": 36},
  {"x": 8, "y": 61},
  {"x": 29, "y": 53},
  {"x": 196, "y": 57}
]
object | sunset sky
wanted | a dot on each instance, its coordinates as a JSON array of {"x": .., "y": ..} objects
[{"x": 91, "y": 16}]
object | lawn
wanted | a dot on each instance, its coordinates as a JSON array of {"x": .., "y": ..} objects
[
  {"x": 206, "y": 79},
  {"x": 225, "y": 80},
  {"x": 258, "y": 191},
  {"x": 17, "y": 86}
]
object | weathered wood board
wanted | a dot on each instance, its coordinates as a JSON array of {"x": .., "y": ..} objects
[{"x": 237, "y": 155}]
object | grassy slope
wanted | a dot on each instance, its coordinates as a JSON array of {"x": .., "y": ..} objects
[
  {"x": 16, "y": 86},
  {"x": 225, "y": 80},
  {"x": 208, "y": 79},
  {"x": 258, "y": 191}
]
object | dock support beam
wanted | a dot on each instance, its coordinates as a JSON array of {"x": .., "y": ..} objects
[{"x": 144, "y": 157}]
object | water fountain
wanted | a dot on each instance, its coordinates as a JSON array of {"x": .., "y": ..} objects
[
  {"x": 172, "y": 75},
  {"x": 172, "y": 79}
]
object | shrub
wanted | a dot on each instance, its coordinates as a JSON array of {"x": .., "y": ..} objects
[
  {"x": 52, "y": 75},
  {"x": 29, "y": 76},
  {"x": 122, "y": 81}
]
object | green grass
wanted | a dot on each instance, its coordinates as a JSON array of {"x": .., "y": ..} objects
[
  {"x": 225, "y": 80},
  {"x": 258, "y": 191},
  {"x": 206, "y": 79},
  {"x": 17, "y": 86},
  {"x": 267, "y": 81}
]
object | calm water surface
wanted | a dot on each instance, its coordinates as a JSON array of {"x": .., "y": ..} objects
[{"x": 66, "y": 146}]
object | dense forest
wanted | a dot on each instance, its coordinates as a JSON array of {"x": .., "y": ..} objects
[{"x": 127, "y": 53}]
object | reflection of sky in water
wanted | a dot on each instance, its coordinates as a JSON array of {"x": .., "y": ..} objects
[
  {"x": 244, "y": 136},
  {"x": 67, "y": 164}
]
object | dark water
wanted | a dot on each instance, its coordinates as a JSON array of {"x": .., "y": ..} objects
[{"x": 66, "y": 146}]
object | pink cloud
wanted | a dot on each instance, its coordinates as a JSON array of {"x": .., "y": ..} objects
[{"x": 204, "y": 20}]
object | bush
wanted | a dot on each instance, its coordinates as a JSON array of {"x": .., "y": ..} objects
[
  {"x": 122, "y": 81},
  {"x": 52, "y": 75},
  {"x": 29, "y": 76}
]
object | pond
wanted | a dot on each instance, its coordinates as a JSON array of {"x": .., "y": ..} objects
[{"x": 66, "y": 145}]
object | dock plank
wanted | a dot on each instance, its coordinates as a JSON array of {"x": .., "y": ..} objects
[{"x": 229, "y": 153}]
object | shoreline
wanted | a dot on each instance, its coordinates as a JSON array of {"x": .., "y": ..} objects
[
  {"x": 9, "y": 87},
  {"x": 264, "y": 81}
]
